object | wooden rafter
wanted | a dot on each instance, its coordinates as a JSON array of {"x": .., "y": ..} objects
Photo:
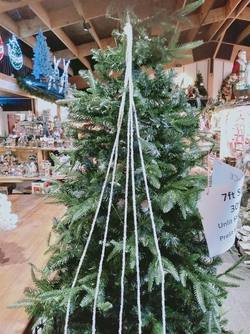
[
  {"x": 236, "y": 14},
  {"x": 40, "y": 11},
  {"x": 84, "y": 50},
  {"x": 9, "y": 24},
  {"x": 79, "y": 7},
  {"x": 215, "y": 28},
  {"x": 245, "y": 15},
  {"x": 60, "y": 17},
  {"x": 9, "y": 5},
  {"x": 203, "y": 13},
  {"x": 245, "y": 33}
]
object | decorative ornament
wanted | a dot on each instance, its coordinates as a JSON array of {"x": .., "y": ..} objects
[
  {"x": 42, "y": 59},
  {"x": 15, "y": 53},
  {"x": 1, "y": 48},
  {"x": 64, "y": 81},
  {"x": 54, "y": 78}
]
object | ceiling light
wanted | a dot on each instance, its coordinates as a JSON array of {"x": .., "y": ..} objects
[{"x": 86, "y": 26}]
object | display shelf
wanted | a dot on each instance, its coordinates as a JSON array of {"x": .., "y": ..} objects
[
  {"x": 20, "y": 179},
  {"x": 30, "y": 148}
]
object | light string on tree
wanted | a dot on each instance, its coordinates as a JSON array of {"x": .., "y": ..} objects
[{"x": 132, "y": 119}]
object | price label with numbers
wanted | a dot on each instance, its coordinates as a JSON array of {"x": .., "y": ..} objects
[{"x": 219, "y": 208}]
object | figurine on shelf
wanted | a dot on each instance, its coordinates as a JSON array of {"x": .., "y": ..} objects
[
  {"x": 240, "y": 63},
  {"x": 239, "y": 68}
]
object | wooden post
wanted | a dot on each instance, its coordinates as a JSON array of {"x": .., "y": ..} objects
[
  {"x": 210, "y": 78},
  {"x": 58, "y": 111}
]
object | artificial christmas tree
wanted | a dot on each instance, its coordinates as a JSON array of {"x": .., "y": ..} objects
[
  {"x": 42, "y": 60},
  {"x": 199, "y": 84},
  {"x": 168, "y": 133}
]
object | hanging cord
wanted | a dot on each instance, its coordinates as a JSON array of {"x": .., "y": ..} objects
[
  {"x": 128, "y": 32},
  {"x": 125, "y": 228},
  {"x": 119, "y": 122},
  {"x": 137, "y": 257},
  {"x": 163, "y": 302}
]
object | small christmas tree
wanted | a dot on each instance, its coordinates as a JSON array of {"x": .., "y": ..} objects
[
  {"x": 199, "y": 84},
  {"x": 42, "y": 59}
]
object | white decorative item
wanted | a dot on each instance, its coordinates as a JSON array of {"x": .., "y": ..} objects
[
  {"x": 219, "y": 207},
  {"x": 132, "y": 135},
  {"x": 15, "y": 53},
  {"x": 8, "y": 220},
  {"x": 55, "y": 75},
  {"x": 248, "y": 75},
  {"x": 242, "y": 60},
  {"x": 64, "y": 81}
]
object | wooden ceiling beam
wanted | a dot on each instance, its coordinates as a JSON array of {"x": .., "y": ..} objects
[
  {"x": 9, "y": 24},
  {"x": 203, "y": 13},
  {"x": 245, "y": 15},
  {"x": 79, "y": 7},
  {"x": 245, "y": 33},
  {"x": 229, "y": 10},
  {"x": 84, "y": 50},
  {"x": 97, "y": 9},
  {"x": 7, "y": 5},
  {"x": 193, "y": 21},
  {"x": 40, "y": 11},
  {"x": 58, "y": 18},
  {"x": 235, "y": 15}
]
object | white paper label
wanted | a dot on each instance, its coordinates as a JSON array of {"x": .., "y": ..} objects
[{"x": 219, "y": 207}]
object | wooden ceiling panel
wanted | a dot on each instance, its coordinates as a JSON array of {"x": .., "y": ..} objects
[
  {"x": 235, "y": 30},
  {"x": 219, "y": 21},
  {"x": 55, "y": 4},
  {"x": 104, "y": 26},
  {"x": 219, "y": 3},
  {"x": 53, "y": 41},
  {"x": 77, "y": 34},
  {"x": 23, "y": 13}
]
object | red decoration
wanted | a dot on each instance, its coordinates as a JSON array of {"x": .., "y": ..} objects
[
  {"x": 236, "y": 67},
  {"x": 1, "y": 48}
]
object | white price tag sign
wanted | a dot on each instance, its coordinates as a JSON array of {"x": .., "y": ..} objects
[{"x": 219, "y": 207}]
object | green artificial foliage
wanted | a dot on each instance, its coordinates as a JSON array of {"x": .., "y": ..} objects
[
  {"x": 45, "y": 95},
  {"x": 169, "y": 128},
  {"x": 199, "y": 84}
]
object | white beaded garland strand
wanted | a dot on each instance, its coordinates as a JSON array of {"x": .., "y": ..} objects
[
  {"x": 119, "y": 122},
  {"x": 125, "y": 228},
  {"x": 132, "y": 119},
  {"x": 163, "y": 302}
]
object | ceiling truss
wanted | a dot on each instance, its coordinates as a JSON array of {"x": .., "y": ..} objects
[{"x": 218, "y": 20}]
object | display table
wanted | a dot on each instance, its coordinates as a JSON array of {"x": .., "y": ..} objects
[{"x": 26, "y": 244}]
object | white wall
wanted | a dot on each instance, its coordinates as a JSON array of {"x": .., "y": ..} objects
[
  {"x": 187, "y": 73},
  {"x": 44, "y": 105},
  {"x": 222, "y": 68}
]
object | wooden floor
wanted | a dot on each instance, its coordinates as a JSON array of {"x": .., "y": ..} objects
[{"x": 26, "y": 244}]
